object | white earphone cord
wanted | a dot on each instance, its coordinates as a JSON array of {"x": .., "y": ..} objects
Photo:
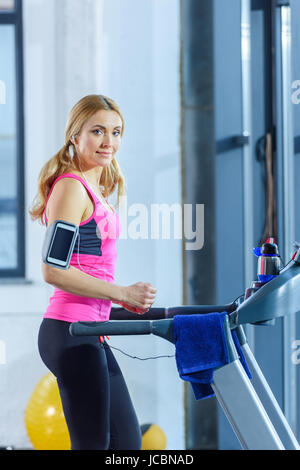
[{"x": 91, "y": 270}]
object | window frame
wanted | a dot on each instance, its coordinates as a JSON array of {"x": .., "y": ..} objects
[{"x": 14, "y": 17}]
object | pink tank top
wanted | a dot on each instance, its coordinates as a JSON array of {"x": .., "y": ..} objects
[{"x": 94, "y": 253}]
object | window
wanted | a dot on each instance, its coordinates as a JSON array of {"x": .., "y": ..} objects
[
  {"x": 12, "y": 207},
  {"x": 7, "y": 5}
]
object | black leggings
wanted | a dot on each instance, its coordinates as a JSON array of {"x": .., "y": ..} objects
[{"x": 95, "y": 399}]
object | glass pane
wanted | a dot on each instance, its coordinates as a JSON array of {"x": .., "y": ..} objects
[
  {"x": 7, "y": 4},
  {"x": 8, "y": 149}
]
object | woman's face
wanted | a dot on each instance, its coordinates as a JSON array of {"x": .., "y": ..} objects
[{"x": 99, "y": 139}]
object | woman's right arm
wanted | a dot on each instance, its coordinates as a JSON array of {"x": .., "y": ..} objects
[{"x": 68, "y": 202}]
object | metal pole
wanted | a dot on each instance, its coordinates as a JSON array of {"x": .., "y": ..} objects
[
  {"x": 198, "y": 186},
  {"x": 247, "y": 151},
  {"x": 285, "y": 157}
]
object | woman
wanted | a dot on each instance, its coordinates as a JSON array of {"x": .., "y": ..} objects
[{"x": 73, "y": 186}]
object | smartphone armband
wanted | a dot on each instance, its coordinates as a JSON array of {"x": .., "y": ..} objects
[{"x": 59, "y": 244}]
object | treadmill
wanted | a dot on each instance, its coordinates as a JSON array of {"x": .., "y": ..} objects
[{"x": 248, "y": 404}]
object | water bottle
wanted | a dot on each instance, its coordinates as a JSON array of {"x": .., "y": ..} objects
[
  {"x": 268, "y": 264},
  {"x": 268, "y": 267}
]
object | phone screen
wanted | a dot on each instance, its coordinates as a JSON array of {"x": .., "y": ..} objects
[{"x": 61, "y": 245}]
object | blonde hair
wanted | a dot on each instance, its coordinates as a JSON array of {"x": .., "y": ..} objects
[{"x": 63, "y": 161}]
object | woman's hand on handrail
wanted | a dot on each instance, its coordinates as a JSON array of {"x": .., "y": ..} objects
[{"x": 138, "y": 297}]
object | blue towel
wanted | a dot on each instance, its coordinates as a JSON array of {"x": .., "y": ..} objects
[{"x": 201, "y": 347}]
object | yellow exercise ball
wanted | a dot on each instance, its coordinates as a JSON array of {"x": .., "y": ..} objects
[
  {"x": 153, "y": 437},
  {"x": 44, "y": 418}
]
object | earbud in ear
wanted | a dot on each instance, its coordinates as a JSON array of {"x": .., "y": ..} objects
[{"x": 71, "y": 149}]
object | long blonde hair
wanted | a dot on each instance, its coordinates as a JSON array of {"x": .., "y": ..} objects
[{"x": 63, "y": 160}]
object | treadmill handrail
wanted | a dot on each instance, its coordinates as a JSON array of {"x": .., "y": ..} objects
[
  {"x": 162, "y": 328},
  {"x": 160, "y": 313}
]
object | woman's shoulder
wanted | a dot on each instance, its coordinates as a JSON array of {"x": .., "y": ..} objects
[
  {"x": 67, "y": 198},
  {"x": 67, "y": 186}
]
